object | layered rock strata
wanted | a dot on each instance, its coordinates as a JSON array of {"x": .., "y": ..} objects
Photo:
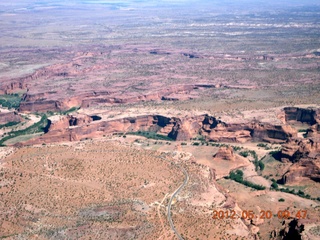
[
  {"x": 6, "y": 117},
  {"x": 80, "y": 126}
]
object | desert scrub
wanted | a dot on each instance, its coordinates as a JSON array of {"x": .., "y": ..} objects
[{"x": 264, "y": 145}]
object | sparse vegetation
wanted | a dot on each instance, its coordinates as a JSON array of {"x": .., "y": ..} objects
[
  {"x": 73, "y": 109},
  {"x": 151, "y": 135},
  {"x": 10, "y": 101},
  {"x": 259, "y": 165},
  {"x": 236, "y": 63},
  {"x": 35, "y": 128},
  {"x": 9, "y": 124},
  {"x": 236, "y": 148},
  {"x": 302, "y": 130},
  {"x": 238, "y": 177},
  {"x": 264, "y": 145}
]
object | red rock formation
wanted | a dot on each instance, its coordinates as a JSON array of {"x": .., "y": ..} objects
[
  {"x": 225, "y": 153},
  {"x": 314, "y": 131},
  {"x": 41, "y": 106},
  {"x": 306, "y": 167},
  {"x": 65, "y": 122},
  {"x": 6, "y": 117},
  {"x": 306, "y": 115},
  {"x": 255, "y": 131},
  {"x": 295, "y": 149},
  {"x": 270, "y": 133},
  {"x": 181, "y": 129},
  {"x": 305, "y": 155}
]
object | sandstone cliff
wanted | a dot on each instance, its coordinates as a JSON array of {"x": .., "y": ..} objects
[
  {"x": 297, "y": 148},
  {"x": 305, "y": 168},
  {"x": 305, "y": 156},
  {"x": 76, "y": 127},
  {"x": 304, "y": 115},
  {"x": 6, "y": 117}
]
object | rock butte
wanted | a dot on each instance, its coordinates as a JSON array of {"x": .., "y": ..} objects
[
  {"x": 225, "y": 153},
  {"x": 303, "y": 153}
]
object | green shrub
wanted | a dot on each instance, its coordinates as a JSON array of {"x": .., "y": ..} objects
[
  {"x": 151, "y": 135},
  {"x": 73, "y": 109},
  {"x": 238, "y": 177},
  {"x": 9, "y": 124},
  {"x": 236, "y": 148},
  {"x": 302, "y": 130},
  {"x": 281, "y": 200},
  {"x": 261, "y": 165},
  {"x": 262, "y": 145},
  {"x": 244, "y": 154}
]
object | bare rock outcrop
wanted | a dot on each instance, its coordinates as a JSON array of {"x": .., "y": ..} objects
[
  {"x": 225, "y": 153},
  {"x": 295, "y": 149},
  {"x": 304, "y": 115},
  {"x": 271, "y": 133},
  {"x": 64, "y": 122},
  {"x": 305, "y": 156},
  {"x": 6, "y": 117},
  {"x": 255, "y": 131},
  {"x": 305, "y": 168},
  {"x": 41, "y": 106},
  {"x": 314, "y": 131}
]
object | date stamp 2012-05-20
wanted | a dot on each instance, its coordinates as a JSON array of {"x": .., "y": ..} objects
[{"x": 263, "y": 214}]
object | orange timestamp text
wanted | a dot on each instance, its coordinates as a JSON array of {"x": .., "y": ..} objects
[{"x": 263, "y": 214}]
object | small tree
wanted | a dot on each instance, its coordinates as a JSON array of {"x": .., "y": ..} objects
[
  {"x": 274, "y": 185},
  {"x": 261, "y": 165}
]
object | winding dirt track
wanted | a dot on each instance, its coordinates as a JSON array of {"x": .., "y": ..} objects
[{"x": 174, "y": 194}]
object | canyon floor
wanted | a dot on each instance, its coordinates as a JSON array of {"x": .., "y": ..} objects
[{"x": 117, "y": 118}]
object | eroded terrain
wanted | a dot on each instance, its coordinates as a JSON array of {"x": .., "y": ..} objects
[{"x": 118, "y": 118}]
